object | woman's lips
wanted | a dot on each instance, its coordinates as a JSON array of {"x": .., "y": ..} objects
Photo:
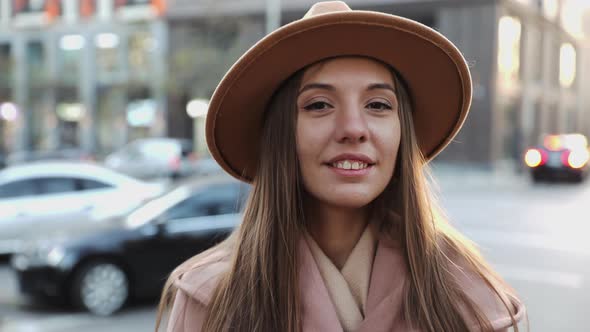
[{"x": 351, "y": 172}]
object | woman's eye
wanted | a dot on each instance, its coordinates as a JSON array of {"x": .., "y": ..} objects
[
  {"x": 317, "y": 106},
  {"x": 380, "y": 106}
]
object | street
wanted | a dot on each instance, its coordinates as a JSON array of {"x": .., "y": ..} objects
[{"x": 534, "y": 235}]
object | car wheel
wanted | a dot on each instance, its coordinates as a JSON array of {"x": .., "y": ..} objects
[
  {"x": 101, "y": 287},
  {"x": 578, "y": 178},
  {"x": 537, "y": 177}
]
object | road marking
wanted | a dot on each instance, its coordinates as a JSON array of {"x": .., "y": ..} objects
[{"x": 555, "y": 278}]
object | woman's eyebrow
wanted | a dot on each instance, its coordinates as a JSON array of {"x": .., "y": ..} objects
[
  {"x": 385, "y": 86},
  {"x": 322, "y": 86}
]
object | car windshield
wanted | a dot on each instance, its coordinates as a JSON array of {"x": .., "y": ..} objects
[{"x": 154, "y": 208}]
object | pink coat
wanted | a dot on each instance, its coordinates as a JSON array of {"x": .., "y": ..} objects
[{"x": 384, "y": 310}]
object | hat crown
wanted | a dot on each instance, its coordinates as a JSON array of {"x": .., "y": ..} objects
[{"x": 327, "y": 7}]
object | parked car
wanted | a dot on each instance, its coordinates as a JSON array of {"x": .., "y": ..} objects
[
  {"x": 100, "y": 266},
  {"x": 22, "y": 157},
  {"x": 40, "y": 196},
  {"x": 559, "y": 157},
  {"x": 207, "y": 167},
  {"x": 154, "y": 158}
]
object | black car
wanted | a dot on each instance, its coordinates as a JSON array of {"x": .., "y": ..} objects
[
  {"x": 101, "y": 266},
  {"x": 559, "y": 157}
]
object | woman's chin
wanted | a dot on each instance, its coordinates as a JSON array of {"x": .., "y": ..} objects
[{"x": 349, "y": 200}]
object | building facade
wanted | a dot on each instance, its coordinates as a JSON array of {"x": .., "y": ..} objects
[
  {"x": 83, "y": 74},
  {"x": 96, "y": 74}
]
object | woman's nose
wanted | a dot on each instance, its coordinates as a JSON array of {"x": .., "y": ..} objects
[{"x": 351, "y": 126}]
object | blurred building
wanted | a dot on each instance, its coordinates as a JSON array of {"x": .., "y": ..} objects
[
  {"x": 525, "y": 65},
  {"x": 83, "y": 74},
  {"x": 96, "y": 74}
]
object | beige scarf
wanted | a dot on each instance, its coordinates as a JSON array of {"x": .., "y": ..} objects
[{"x": 348, "y": 288}]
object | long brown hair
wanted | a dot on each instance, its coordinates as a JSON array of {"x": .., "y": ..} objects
[{"x": 259, "y": 292}]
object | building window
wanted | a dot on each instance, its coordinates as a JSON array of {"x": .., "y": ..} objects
[
  {"x": 141, "y": 45},
  {"x": 70, "y": 112},
  {"x": 36, "y": 62},
  {"x": 141, "y": 112},
  {"x": 567, "y": 65},
  {"x": 6, "y": 66},
  {"x": 509, "y": 46},
  {"x": 70, "y": 55},
  {"x": 550, "y": 8},
  {"x": 536, "y": 51},
  {"x": 107, "y": 54},
  {"x": 111, "y": 121}
]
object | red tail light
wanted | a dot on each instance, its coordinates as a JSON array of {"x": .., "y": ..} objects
[
  {"x": 175, "y": 163},
  {"x": 193, "y": 156}
]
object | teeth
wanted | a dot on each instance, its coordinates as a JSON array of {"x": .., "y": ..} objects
[{"x": 350, "y": 164}]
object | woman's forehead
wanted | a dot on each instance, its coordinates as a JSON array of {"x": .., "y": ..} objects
[{"x": 337, "y": 69}]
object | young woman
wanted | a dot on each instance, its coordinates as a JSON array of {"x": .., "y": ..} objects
[{"x": 332, "y": 119}]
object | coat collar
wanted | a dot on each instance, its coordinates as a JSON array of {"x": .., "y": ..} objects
[
  {"x": 384, "y": 302},
  {"x": 385, "y": 299}
]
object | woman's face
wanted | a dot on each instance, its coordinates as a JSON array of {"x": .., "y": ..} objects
[{"x": 348, "y": 130}]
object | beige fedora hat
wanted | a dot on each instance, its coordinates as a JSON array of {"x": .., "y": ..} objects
[{"x": 434, "y": 70}]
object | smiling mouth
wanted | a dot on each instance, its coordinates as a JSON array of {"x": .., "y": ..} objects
[{"x": 350, "y": 165}]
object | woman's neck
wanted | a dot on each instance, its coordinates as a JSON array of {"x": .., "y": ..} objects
[{"x": 337, "y": 230}]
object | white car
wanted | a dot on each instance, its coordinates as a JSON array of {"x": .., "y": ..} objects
[
  {"x": 157, "y": 157},
  {"x": 38, "y": 197}
]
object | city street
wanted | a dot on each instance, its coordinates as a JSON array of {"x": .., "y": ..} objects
[{"x": 534, "y": 235}]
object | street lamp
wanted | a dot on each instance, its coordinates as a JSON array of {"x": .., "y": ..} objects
[
  {"x": 8, "y": 111},
  {"x": 197, "y": 108}
]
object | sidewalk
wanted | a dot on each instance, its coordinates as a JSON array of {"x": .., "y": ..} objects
[{"x": 500, "y": 176}]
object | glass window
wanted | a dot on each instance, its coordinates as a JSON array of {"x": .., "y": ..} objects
[
  {"x": 121, "y": 3},
  {"x": 186, "y": 147},
  {"x": 87, "y": 184},
  {"x": 57, "y": 185},
  {"x": 216, "y": 200},
  {"x": 509, "y": 44},
  {"x": 108, "y": 53},
  {"x": 156, "y": 149},
  {"x": 70, "y": 57},
  {"x": 6, "y": 65},
  {"x": 132, "y": 151},
  {"x": 141, "y": 45},
  {"x": 19, "y": 189},
  {"x": 36, "y": 61}
]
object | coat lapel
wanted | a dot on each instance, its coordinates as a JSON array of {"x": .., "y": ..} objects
[
  {"x": 388, "y": 277},
  {"x": 318, "y": 313},
  {"x": 384, "y": 303}
]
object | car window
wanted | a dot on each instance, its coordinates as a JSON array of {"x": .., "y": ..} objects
[
  {"x": 57, "y": 185},
  {"x": 19, "y": 189},
  {"x": 216, "y": 200},
  {"x": 88, "y": 184},
  {"x": 186, "y": 148},
  {"x": 131, "y": 151},
  {"x": 162, "y": 150}
]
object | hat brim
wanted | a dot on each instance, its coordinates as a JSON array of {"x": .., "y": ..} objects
[{"x": 434, "y": 70}]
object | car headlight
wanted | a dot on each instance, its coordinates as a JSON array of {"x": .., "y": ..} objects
[
  {"x": 56, "y": 255},
  {"x": 39, "y": 256}
]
